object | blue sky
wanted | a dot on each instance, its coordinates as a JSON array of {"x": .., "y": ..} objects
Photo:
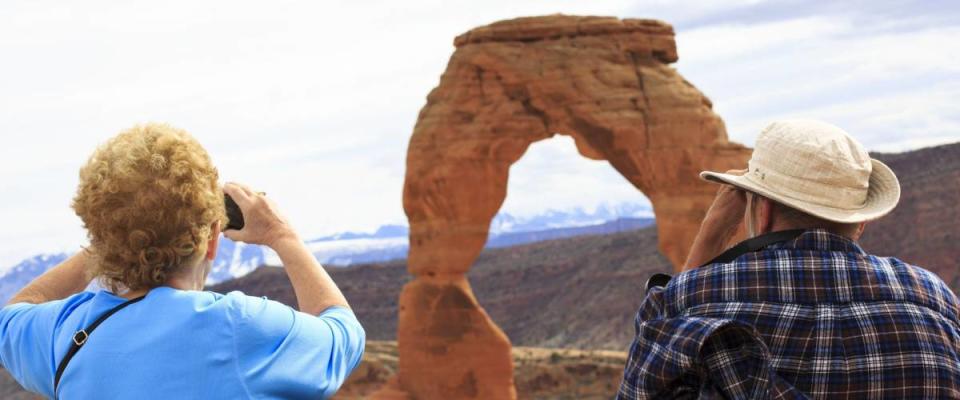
[{"x": 313, "y": 102}]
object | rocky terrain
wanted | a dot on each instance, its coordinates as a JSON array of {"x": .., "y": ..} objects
[
  {"x": 539, "y": 373},
  {"x": 11, "y": 390},
  {"x": 924, "y": 229}
]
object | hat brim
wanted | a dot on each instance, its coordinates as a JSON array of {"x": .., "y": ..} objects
[{"x": 883, "y": 194}]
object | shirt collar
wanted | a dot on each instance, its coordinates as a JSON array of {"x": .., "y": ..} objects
[{"x": 820, "y": 240}]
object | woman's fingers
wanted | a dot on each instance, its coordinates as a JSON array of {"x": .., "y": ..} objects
[
  {"x": 241, "y": 194},
  {"x": 246, "y": 189},
  {"x": 233, "y": 235},
  {"x": 242, "y": 197}
]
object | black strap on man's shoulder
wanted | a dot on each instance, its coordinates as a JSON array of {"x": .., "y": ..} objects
[
  {"x": 81, "y": 336},
  {"x": 755, "y": 244},
  {"x": 744, "y": 247}
]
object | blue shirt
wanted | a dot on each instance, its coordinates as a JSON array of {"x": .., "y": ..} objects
[{"x": 179, "y": 344}]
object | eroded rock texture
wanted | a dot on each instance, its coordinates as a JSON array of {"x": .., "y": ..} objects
[{"x": 604, "y": 81}]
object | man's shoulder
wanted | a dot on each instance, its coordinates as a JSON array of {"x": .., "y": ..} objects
[
  {"x": 809, "y": 278},
  {"x": 922, "y": 285},
  {"x": 909, "y": 272}
]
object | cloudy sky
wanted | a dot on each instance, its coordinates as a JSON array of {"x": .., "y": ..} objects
[{"x": 314, "y": 102}]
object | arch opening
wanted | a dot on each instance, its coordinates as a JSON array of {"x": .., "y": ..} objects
[
  {"x": 606, "y": 250},
  {"x": 555, "y": 186}
]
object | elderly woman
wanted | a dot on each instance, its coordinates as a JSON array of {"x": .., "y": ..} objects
[{"x": 153, "y": 210}]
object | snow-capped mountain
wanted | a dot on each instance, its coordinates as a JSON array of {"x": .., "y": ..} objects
[
  {"x": 235, "y": 259},
  {"x": 19, "y": 275},
  {"x": 554, "y": 219},
  {"x": 389, "y": 242},
  {"x": 359, "y": 251},
  {"x": 385, "y": 231}
]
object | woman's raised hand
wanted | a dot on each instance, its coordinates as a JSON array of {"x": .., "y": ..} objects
[{"x": 263, "y": 222}]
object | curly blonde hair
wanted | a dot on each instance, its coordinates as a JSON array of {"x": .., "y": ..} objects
[{"x": 148, "y": 198}]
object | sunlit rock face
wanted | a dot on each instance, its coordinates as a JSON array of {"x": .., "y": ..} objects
[{"x": 605, "y": 82}]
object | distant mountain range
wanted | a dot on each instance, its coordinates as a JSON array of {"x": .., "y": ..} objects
[
  {"x": 389, "y": 242},
  {"x": 19, "y": 275}
]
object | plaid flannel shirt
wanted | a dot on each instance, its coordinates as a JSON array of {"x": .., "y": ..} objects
[{"x": 813, "y": 317}]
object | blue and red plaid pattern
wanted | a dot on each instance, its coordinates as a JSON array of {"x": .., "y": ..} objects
[{"x": 814, "y": 317}]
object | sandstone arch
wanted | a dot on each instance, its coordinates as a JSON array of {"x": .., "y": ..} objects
[{"x": 607, "y": 83}]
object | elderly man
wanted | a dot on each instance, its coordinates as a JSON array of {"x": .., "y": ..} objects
[
  {"x": 153, "y": 209},
  {"x": 798, "y": 310}
]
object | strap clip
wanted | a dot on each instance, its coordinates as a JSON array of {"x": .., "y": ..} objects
[
  {"x": 80, "y": 337},
  {"x": 657, "y": 280}
]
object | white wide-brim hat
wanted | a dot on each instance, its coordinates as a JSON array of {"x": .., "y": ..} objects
[{"x": 819, "y": 169}]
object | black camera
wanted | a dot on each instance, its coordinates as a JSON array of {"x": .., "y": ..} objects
[{"x": 234, "y": 216}]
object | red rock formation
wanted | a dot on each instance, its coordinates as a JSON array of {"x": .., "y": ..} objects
[{"x": 604, "y": 81}]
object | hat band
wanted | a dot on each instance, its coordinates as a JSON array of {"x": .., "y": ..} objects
[{"x": 806, "y": 190}]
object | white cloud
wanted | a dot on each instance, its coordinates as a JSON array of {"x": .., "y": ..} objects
[
  {"x": 726, "y": 42},
  {"x": 893, "y": 122},
  {"x": 682, "y": 12},
  {"x": 314, "y": 102},
  {"x": 882, "y": 86}
]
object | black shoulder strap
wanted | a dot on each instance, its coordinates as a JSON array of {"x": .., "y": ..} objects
[
  {"x": 744, "y": 247},
  {"x": 755, "y": 244},
  {"x": 81, "y": 337}
]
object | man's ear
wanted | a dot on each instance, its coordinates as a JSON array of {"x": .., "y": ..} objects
[
  {"x": 856, "y": 236},
  {"x": 764, "y": 215},
  {"x": 214, "y": 241}
]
